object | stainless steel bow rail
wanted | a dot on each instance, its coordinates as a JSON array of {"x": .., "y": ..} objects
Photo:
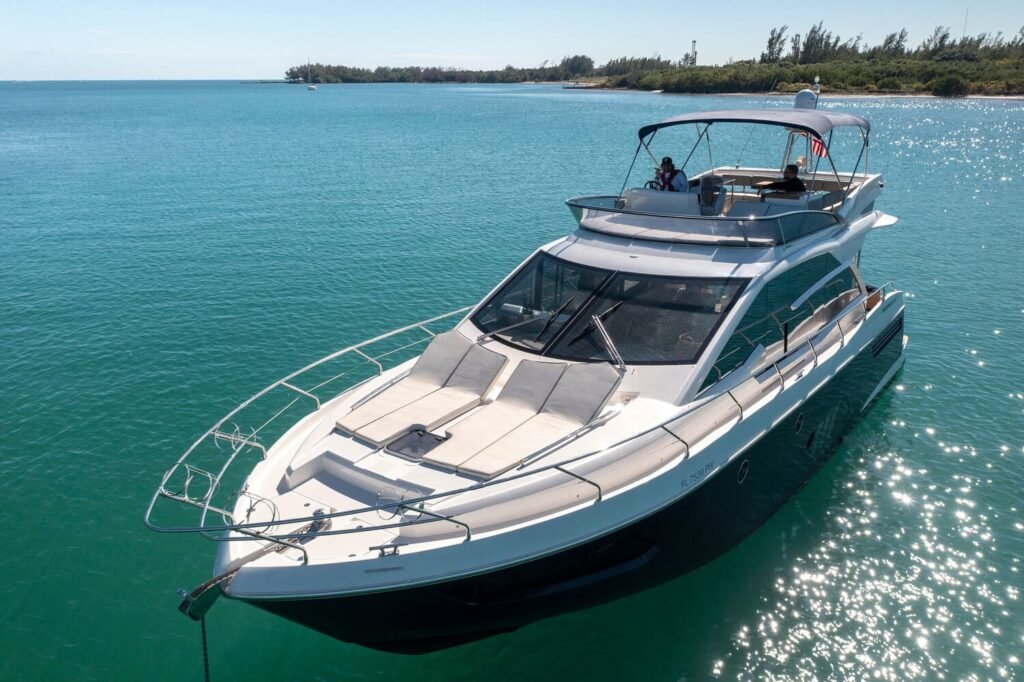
[{"x": 198, "y": 487}]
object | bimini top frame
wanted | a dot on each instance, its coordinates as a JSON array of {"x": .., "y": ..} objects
[{"x": 814, "y": 121}]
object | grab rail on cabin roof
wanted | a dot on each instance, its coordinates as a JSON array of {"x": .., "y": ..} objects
[{"x": 868, "y": 301}]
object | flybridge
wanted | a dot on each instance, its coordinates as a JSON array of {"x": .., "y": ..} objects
[
  {"x": 735, "y": 205},
  {"x": 674, "y": 217}
]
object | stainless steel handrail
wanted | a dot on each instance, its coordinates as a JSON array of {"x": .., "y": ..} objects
[
  {"x": 600, "y": 493},
  {"x": 248, "y": 528},
  {"x": 215, "y": 432},
  {"x": 775, "y": 226},
  {"x": 620, "y": 364},
  {"x": 576, "y": 202},
  {"x": 863, "y": 299},
  {"x": 237, "y": 439},
  {"x": 302, "y": 392}
]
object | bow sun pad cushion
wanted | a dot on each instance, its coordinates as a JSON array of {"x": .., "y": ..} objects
[
  {"x": 531, "y": 383},
  {"x": 390, "y": 399},
  {"x": 431, "y": 371},
  {"x": 521, "y": 397},
  {"x": 428, "y": 412},
  {"x": 537, "y": 432},
  {"x": 580, "y": 393},
  {"x": 441, "y": 358},
  {"x": 464, "y": 389},
  {"x": 477, "y": 371}
]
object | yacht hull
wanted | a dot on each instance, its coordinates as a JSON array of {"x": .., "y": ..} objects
[{"x": 665, "y": 545}]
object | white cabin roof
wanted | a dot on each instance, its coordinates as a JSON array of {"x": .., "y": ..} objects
[{"x": 662, "y": 258}]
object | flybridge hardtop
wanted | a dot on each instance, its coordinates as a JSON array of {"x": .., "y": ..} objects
[
  {"x": 630, "y": 402},
  {"x": 815, "y": 121}
]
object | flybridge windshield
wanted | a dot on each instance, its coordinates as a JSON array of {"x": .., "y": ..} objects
[{"x": 549, "y": 308}]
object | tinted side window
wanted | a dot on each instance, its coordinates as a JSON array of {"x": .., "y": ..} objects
[
  {"x": 833, "y": 291},
  {"x": 769, "y": 315}
]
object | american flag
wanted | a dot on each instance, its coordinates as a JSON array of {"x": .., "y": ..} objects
[{"x": 818, "y": 147}]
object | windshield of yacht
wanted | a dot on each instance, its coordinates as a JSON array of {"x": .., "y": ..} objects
[{"x": 549, "y": 305}]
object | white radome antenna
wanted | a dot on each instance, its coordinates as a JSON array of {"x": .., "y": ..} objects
[
  {"x": 808, "y": 97},
  {"x": 805, "y": 99}
]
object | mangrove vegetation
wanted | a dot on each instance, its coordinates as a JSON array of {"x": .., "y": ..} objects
[{"x": 984, "y": 64}]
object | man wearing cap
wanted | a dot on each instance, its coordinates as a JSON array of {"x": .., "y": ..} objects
[{"x": 670, "y": 178}]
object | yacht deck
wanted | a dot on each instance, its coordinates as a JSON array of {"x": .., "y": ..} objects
[{"x": 371, "y": 500}]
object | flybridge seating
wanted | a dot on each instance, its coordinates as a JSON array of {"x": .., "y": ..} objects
[{"x": 728, "y": 206}]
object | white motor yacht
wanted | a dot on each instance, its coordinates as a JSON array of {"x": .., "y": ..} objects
[{"x": 629, "y": 403}]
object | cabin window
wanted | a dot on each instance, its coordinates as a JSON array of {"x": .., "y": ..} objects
[
  {"x": 772, "y": 315},
  {"x": 548, "y": 308}
]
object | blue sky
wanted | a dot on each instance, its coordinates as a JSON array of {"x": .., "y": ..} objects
[{"x": 191, "y": 39}]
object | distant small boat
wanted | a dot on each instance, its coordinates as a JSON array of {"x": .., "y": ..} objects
[
  {"x": 309, "y": 79},
  {"x": 657, "y": 92}
]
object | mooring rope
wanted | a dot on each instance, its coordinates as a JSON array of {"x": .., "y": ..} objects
[{"x": 206, "y": 652}]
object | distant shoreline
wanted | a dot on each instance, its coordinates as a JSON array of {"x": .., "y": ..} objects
[
  {"x": 941, "y": 66},
  {"x": 553, "y": 84},
  {"x": 602, "y": 87},
  {"x": 825, "y": 93}
]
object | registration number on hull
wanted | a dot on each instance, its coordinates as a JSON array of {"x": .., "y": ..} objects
[{"x": 698, "y": 475}]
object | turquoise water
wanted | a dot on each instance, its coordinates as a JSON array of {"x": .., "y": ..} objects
[{"x": 167, "y": 249}]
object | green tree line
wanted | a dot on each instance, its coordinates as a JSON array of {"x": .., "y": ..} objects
[
  {"x": 569, "y": 68},
  {"x": 941, "y": 64},
  {"x": 986, "y": 63},
  {"x": 577, "y": 66},
  {"x": 819, "y": 45}
]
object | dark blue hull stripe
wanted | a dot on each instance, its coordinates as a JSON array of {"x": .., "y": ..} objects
[{"x": 891, "y": 332}]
